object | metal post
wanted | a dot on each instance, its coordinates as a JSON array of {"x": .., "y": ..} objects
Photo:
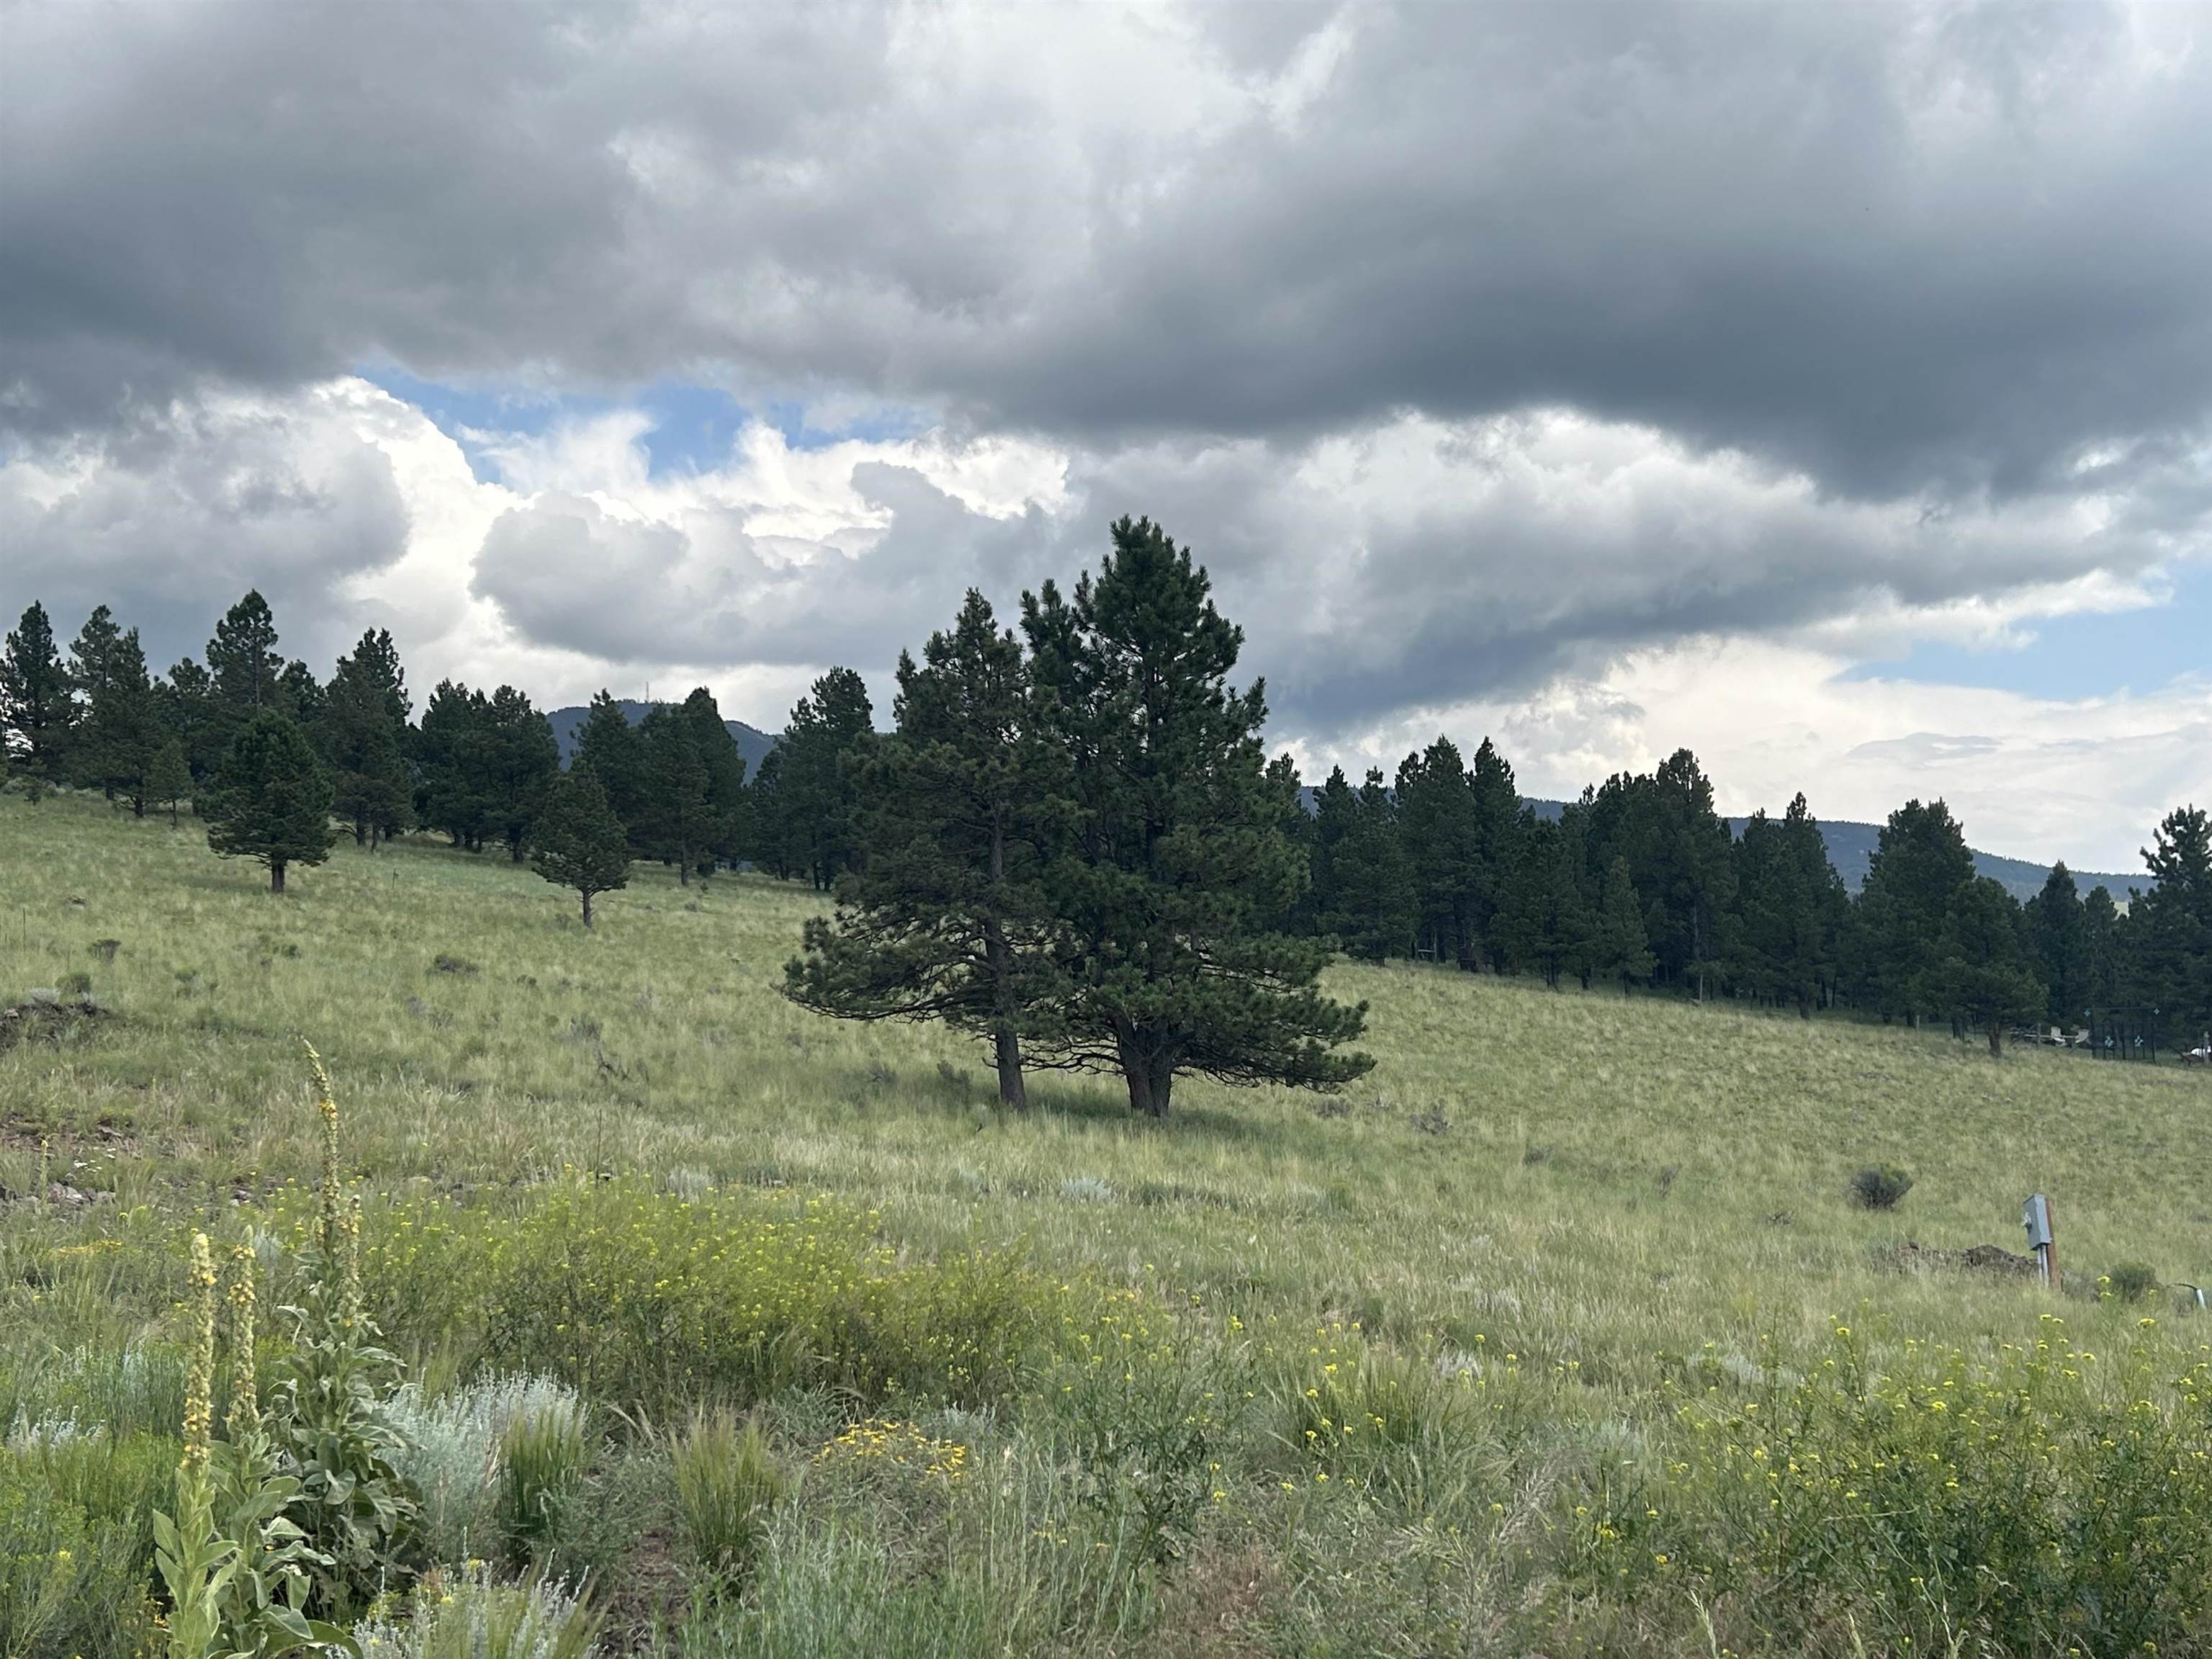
[{"x": 2035, "y": 1216}]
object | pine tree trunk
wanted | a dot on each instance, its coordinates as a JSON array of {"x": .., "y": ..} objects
[
  {"x": 587, "y": 907},
  {"x": 1005, "y": 1044},
  {"x": 1996, "y": 1051},
  {"x": 1150, "y": 1072},
  {"x": 1008, "y": 1052},
  {"x": 276, "y": 875}
]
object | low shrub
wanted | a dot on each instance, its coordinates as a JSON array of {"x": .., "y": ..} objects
[
  {"x": 644, "y": 1298},
  {"x": 2052, "y": 1501},
  {"x": 76, "y": 1542},
  {"x": 1881, "y": 1187},
  {"x": 475, "y": 1616},
  {"x": 727, "y": 1483},
  {"x": 451, "y": 1454},
  {"x": 2131, "y": 1281}
]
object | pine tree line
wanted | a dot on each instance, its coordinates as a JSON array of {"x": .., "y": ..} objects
[
  {"x": 1640, "y": 882},
  {"x": 1072, "y": 843}
]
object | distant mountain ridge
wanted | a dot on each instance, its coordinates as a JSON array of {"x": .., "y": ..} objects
[{"x": 566, "y": 723}]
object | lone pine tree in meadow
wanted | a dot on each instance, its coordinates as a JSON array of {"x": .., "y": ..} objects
[
  {"x": 948, "y": 918},
  {"x": 271, "y": 799},
  {"x": 1165, "y": 893},
  {"x": 579, "y": 843}
]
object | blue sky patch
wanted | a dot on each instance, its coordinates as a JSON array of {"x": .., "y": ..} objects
[
  {"x": 2075, "y": 657},
  {"x": 695, "y": 428}
]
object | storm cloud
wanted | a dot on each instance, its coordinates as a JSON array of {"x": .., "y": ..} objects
[{"x": 1470, "y": 347}]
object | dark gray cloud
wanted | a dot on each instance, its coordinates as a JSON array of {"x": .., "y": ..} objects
[{"x": 1896, "y": 248}]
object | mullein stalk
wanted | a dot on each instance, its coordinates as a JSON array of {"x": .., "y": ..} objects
[
  {"x": 244, "y": 1415},
  {"x": 327, "y": 1222},
  {"x": 199, "y": 1384}
]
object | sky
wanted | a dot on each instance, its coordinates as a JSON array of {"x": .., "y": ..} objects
[{"x": 1827, "y": 389}]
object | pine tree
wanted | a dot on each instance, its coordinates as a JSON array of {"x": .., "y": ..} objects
[
  {"x": 2101, "y": 953},
  {"x": 2058, "y": 930},
  {"x": 365, "y": 739},
  {"x": 1622, "y": 947},
  {"x": 1984, "y": 976},
  {"x": 37, "y": 709},
  {"x": 817, "y": 781},
  {"x": 678, "y": 812},
  {"x": 1179, "y": 853},
  {"x": 579, "y": 843},
  {"x": 1495, "y": 803},
  {"x": 948, "y": 918},
  {"x": 169, "y": 779},
  {"x": 686, "y": 778},
  {"x": 1363, "y": 881},
  {"x": 2172, "y": 923},
  {"x": 1440, "y": 826},
  {"x": 245, "y": 671},
  {"x": 91, "y": 654},
  {"x": 452, "y": 787},
  {"x": 272, "y": 799},
  {"x": 186, "y": 700},
  {"x": 1920, "y": 864},
  {"x": 1789, "y": 908},
  {"x": 122, "y": 730},
  {"x": 301, "y": 696},
  {"x": 519, "y": 756},
  {"x": 608, "y": 743}
]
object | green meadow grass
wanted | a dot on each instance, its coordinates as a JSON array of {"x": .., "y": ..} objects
[{"x": 1609, "y": 1189}]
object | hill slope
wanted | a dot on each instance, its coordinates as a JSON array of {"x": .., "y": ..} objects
[{"x": 1544, "y": 1223}]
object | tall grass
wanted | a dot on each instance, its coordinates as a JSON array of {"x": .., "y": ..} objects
[{"x": 1260, "y": 1377}]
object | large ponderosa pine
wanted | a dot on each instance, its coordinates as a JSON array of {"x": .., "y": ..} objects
[
  {"x": 579, "y": 841},
  {"x": 1179, "y": 859},
  {"x": 949, "y": 918},
  {"x": 37, "y": 708},
  {"x": 519, "y": 756},
  {"x": 271, "y": 799}
]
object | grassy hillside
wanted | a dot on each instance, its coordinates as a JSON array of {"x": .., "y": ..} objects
[{"x": 1607, "y": 1210}]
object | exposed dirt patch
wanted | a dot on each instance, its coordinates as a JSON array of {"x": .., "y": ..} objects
[
  {"x": 46, "y": 1019},
  {"x": 1912, "y": 1256}
]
